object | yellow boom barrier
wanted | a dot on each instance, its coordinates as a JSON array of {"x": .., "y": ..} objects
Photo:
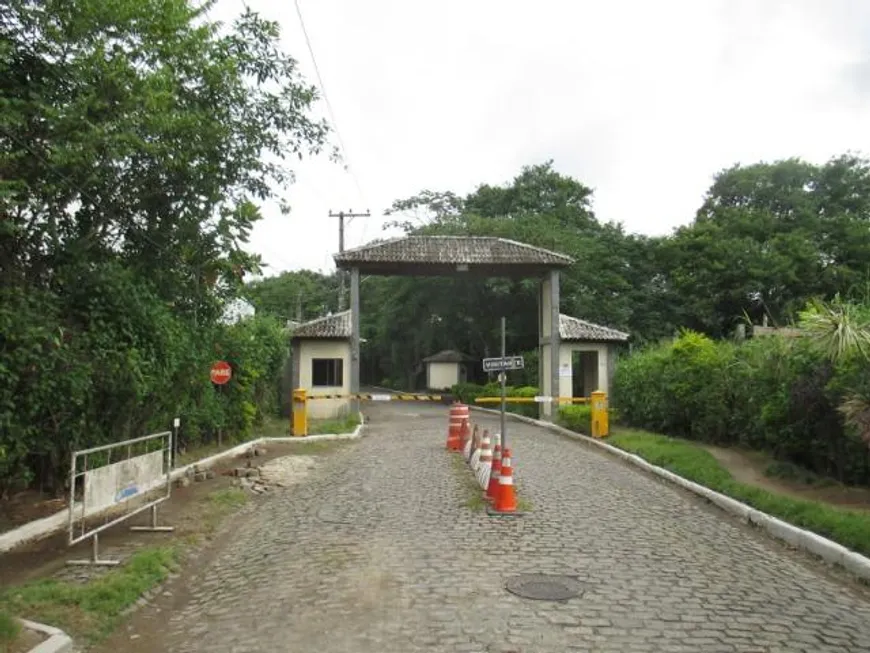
[
  {"x": 600, "y": 422},
  {"x": 532, "y": 400}
]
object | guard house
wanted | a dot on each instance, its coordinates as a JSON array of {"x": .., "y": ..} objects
[
  {"x": 588, "y": 356},
  {"x": 446, "y": 368},
  {"x": 465, "y": 256},
  {"x": 321, "y": 363}
]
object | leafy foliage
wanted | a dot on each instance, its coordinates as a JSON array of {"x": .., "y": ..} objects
[
  {"x": 577, "y": 418},
  {"x": 135, "y": 139},
  {"x": 770, "y": 394}
]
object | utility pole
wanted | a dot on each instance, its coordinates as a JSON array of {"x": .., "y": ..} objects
[{"x": 341, "y": 215}]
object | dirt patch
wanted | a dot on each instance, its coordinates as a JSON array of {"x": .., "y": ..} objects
[
  {"x": 187, "y": 510},
  {"x": 749, "y": 468},
  {"x": 28, "y": 506}
]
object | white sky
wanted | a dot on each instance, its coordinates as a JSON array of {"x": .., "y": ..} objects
[{"x": 642, "y": 101}]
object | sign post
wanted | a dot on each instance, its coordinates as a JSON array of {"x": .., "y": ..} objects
[
  {"x": 221, "y": 373},
  {"x": 503, "y": 376},
  {"x": 502, "y": 366},
  {"x": 503, "y": 363}
]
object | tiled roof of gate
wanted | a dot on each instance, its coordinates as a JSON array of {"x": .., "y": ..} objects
[
  {"x": 331, "y": 326},
  {"x": 453, "y": 250},
  {"x": 448, "y": 356},
  {"x": 572, "y": 328}
]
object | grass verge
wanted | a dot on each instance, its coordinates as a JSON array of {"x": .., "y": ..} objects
[
  {"x": 9, "y": 629},
  {"x": 691, "y": 461},
  {"x": 220, "y": 504},
  {"x": 324, "y": 426},
  {"x": 271, "y": 427},
  {"x": 91, "y": 610},
  {"x": 472, "y": 495}
]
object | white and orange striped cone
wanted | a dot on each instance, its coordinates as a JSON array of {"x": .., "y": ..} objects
[
  {"x": 495, "y": 474},
  {"x": 474, "y": 461},
  {"x": 458, "y": 416},
  {"x": 468, "y": 445},
  {"x": 485, "y": 465},
  {"x": 506, "y": 498}
]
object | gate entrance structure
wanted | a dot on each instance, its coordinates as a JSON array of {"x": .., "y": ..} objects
[{"x": 464, "y": 256}]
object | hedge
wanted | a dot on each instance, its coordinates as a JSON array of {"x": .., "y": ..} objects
[
  {"x": 772, "y": 394},
  {"x": 577, "y": 418},
  {"x": 108, "y": 360}
]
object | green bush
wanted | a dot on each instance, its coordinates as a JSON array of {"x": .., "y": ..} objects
[
  {"x": 577, "y": 418},
  {"x": 103, "y": 359},
  {"x": 773, "y": 394}
]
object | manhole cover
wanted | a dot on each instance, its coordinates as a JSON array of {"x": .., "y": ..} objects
[{"x": 543, "y": 587}]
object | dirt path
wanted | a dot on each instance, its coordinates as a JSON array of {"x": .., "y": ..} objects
[{"x": 749, "y": 468}]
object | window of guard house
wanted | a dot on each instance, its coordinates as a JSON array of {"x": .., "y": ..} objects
[{"x": 327, "y": 372}]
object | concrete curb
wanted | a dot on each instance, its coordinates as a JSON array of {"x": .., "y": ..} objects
[
  {"x": 57, "y": 642},
  {"x": 805, "y": 540},
  {"x": 40, "y": 528}
]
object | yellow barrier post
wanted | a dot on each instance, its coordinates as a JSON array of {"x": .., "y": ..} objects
[
  {"x": 600, "y": 425},
  {"x": 300, "y": 412}
]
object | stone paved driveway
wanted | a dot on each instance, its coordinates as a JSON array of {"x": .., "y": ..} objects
[{"x": 377, "y": 554}]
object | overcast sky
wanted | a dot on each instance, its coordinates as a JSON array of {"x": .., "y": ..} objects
[{"x": 642, "y": 101}]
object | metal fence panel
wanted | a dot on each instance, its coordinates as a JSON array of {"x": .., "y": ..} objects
[{"x": 130, "y": 476}]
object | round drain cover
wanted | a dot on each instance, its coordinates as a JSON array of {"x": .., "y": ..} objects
[{"x": 543, "y": 587}]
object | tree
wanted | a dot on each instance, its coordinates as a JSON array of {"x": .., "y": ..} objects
[
  {"x": 136, "y": 139},
  {"x": 143, "y": 131},
  {"x": 768, "y": 238},
  {"x": 302, "y": 295}
]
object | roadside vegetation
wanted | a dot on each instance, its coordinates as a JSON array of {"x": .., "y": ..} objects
[
  {"x": 137, "y": 140},
  {"x": 851, "y": 528},
  {"x": 89, "y": 611}
]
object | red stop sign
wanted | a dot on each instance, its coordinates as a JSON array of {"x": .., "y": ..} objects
[{"x": 221, "y": 372}]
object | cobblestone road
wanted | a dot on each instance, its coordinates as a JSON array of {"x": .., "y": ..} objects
[{"x": 376, "y": 553}]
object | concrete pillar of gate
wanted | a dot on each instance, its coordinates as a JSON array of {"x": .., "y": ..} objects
[
  {"x": 550, "y": 343},
  {"x": 354, "y": 338}
]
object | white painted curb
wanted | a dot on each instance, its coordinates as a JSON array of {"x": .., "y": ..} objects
[
  {"x": 57, "y": 642},
  {"x": 48, "y": 525},
  {"x": 827, "y": 550}
]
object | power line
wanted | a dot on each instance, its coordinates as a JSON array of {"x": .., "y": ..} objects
[{"x": 341, "y": 144}]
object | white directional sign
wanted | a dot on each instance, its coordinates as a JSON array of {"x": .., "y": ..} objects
[{"x": 506, "y": 363}]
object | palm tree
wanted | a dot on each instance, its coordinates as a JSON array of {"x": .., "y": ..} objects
[
  {"x": 839, "y": 329},
  {"x": 842, "y": 330}
]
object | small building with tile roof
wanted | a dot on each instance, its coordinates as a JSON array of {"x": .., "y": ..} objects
[
  {"x": 587, "y": 356},
  {"x": 448, "y": 255},
  {"x": 321, "y": 363},
  {"x": 446, "y": 368}
]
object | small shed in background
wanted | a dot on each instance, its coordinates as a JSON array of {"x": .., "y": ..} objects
[
  {"x": 587, "y": 357},
  {"x": 321, "y": 363},
  {"x": 446, "y": 368}
]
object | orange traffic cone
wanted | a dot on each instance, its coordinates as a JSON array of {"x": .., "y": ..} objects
[
  {"x": 464, "y": 434},
  {"x": 458, "y": 413},
  {"x": 506, "y": 498},
  {"x": 492, "y": 487}
]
